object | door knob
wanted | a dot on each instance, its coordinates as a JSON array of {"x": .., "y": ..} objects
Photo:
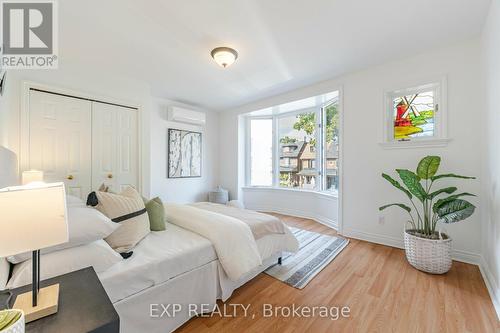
[
  {"x": 70, "y": 177},
  {"x": 110, "y": 175}
]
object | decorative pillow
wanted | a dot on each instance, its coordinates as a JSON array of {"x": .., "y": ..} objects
[
  {"x": 156, "y": 214},
  {"x": 127, "y": 209},
  {"x": 4, "y": 272},
  {"x": 85, "y": 225},
  {"x": 97, "y": 254}
]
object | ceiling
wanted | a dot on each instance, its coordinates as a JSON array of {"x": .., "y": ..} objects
[{"x": 282, "y": 44}]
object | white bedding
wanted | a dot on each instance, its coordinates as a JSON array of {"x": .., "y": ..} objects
[
  {"x": 164, "y": 255},
  {"x": 160, "y": 256},
  {"x": 232, "y": 239}
]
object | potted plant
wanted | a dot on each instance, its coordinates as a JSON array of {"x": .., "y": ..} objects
[
  {"x": 427, "y": 249},
  {"x": 11, "y": 321}
]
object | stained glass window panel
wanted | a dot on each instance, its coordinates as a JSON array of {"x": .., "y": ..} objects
[{"x": 413, "y": 115}]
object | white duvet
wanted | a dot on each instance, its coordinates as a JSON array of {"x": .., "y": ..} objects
[{"x": 232, "y": 239}]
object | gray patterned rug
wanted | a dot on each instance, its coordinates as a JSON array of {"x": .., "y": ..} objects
[{"x": 315, "y": 252}]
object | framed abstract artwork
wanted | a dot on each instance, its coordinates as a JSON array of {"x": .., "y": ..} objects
[{"x": 184, "y": 154}]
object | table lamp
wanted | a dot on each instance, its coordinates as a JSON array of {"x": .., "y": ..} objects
[{"x": 33, "y": 217}]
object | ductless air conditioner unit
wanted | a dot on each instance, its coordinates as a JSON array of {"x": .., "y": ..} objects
[{"x": 182, "y": 115}]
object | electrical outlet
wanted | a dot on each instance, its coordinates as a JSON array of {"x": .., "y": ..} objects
[{"x": 381, "y": 220}]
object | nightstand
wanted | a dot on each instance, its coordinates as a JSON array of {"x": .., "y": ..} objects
[{"x": 84, "y": 305}]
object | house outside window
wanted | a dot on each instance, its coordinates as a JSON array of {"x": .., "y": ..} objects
[{"x": 305, "y": 148}]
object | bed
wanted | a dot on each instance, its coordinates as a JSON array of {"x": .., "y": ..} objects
[
  {"x": 205, "y": 253},
  {"x": 176, "y": 266}
]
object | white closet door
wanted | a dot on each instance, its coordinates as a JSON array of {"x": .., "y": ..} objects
[
  {"x": 114, "y": 146},
  {"x": 59, "y": 143}
]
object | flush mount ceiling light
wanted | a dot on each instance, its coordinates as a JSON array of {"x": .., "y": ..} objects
[{"x": 224, "y": 56}]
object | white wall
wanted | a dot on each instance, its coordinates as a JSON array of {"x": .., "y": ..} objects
[
  {"x": 182, "y": 190},
  {"x": 3, "y": 120},
  {"x": 308, "y": 204},
  {"x": 153, "y": 129},
  {"x": 84, "y": 80},
  {"x": 490, "y": 48},
  {"x": 364, "y": 159}
]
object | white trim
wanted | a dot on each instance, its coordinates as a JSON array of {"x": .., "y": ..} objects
[
  {"x": 248, "y": 160},
  {"x": 275, "y": 152},
  {"x": 24, "y": 131},
  {"x": 430, "y": 143},
  {"x": 458, "y": 255},
  {"x": 491, "y": 285},
  {"x": 340, "y": 162}
]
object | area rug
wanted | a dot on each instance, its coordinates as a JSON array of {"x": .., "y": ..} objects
[{"x": 316, "y": 251}]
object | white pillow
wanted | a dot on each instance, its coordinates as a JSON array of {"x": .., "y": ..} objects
[
  {"x": 72, "y": 201},
  {"x": 97, "y": 254},
  {"x": 85, "y": 225},
  {"x": 4, "y": 272}
]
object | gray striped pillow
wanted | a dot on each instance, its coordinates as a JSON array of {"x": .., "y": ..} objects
[{"x": 127, "y": 209}]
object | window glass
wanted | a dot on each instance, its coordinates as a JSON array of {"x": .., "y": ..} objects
[
  {"x": 297, "y": 150},
  {"x": 302, "y": 145},
  {"x": 331, "y": 146},
  {"x": 413, "y": 115},
  {"x": 261, "y": 152}
]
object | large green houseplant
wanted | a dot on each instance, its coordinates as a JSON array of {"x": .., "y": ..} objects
[{"x": 422, "y": 242}]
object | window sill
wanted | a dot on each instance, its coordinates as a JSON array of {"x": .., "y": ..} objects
[
  {"x": 327, "y": 194},
  {"x": 415, "y": 144}
]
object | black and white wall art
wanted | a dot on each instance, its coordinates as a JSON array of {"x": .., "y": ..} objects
[{"x": 184, "y": 154}]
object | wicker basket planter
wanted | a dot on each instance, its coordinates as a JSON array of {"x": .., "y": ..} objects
[{"x": 428, "y": 255}]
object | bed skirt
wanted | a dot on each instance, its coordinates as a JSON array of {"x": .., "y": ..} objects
[
  {"x": 142, "y": 312},
  {"x": 199, "y": 288}
]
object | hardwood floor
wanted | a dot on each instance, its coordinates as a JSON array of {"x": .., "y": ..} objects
[{"x": 384, "y": 294}]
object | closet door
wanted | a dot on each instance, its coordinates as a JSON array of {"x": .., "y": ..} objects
[
  {"x": 114, "y": 146},
  {"x": 59, "y": 142}
]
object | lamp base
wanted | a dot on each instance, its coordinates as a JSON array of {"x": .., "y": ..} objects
[{"x": 47, "y": 303}]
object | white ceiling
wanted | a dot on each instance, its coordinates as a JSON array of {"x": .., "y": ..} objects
[{"x": 282, "y": 44}]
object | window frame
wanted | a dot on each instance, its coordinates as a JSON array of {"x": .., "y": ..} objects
[
  {"x": 320, "y": 136},
  {"x": 440, "y": 137},
  {"x": 322, "y": 153}
]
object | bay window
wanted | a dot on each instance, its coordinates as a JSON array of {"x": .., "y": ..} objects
[{"x": 297, "y": 149}]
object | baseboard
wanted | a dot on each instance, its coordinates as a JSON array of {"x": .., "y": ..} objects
[
  {"x": 297, "y": 213},
  {"x": 458, "y": 255},
  {"x": 374, "y": 238},
  {"x": 491, "y": 285}
]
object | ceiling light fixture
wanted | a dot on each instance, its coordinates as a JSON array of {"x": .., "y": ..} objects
[{"x": 224, "y": 56}]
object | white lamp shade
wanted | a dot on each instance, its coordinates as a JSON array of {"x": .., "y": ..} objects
[
  {"x": 32, "y": 218},
  {"x": 32, "y": 176}
]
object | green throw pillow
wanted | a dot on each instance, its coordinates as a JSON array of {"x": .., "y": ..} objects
[{"x": 156, "y": 214}]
